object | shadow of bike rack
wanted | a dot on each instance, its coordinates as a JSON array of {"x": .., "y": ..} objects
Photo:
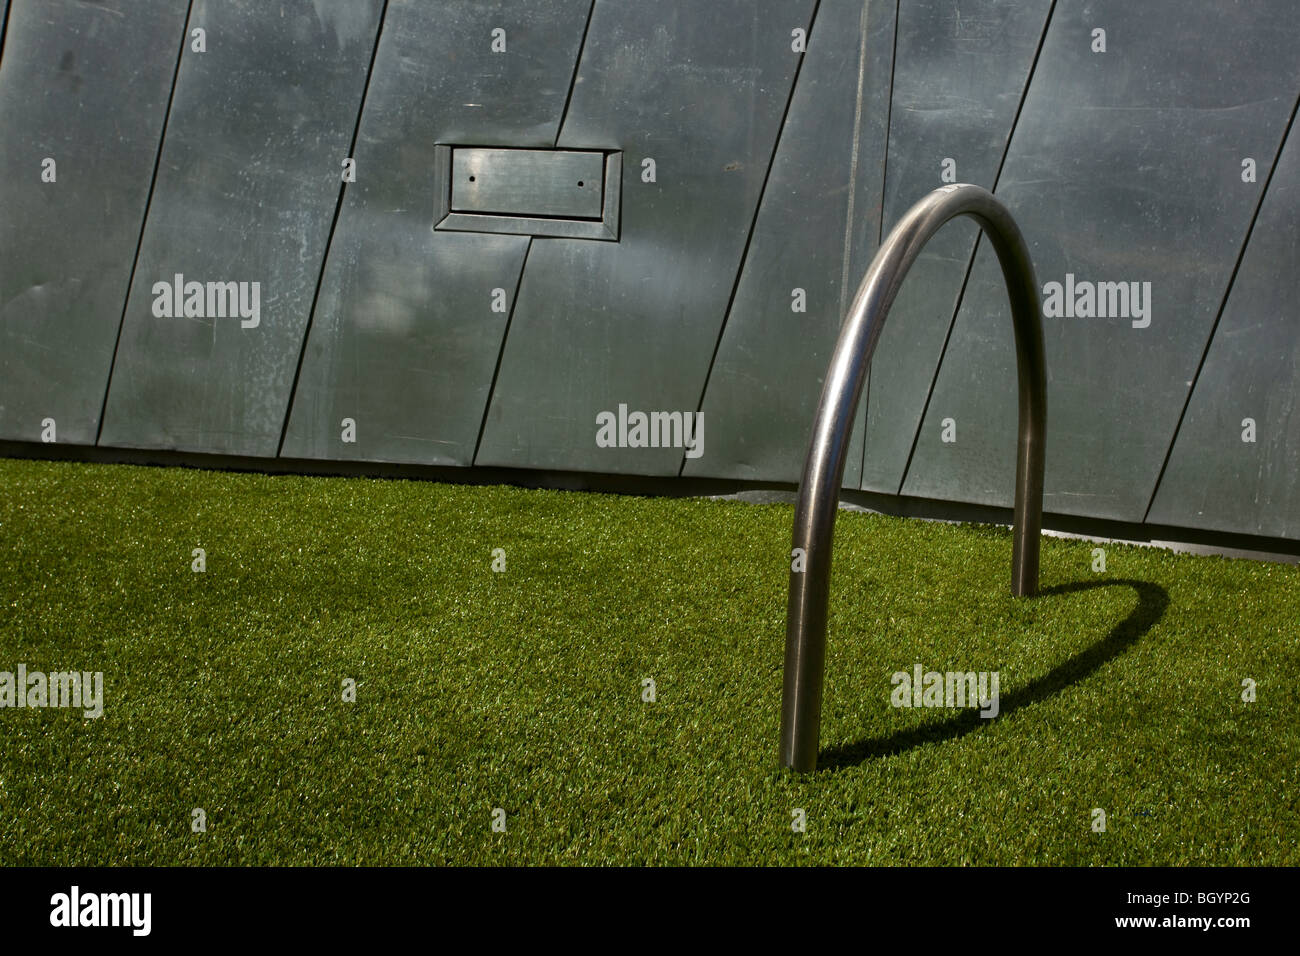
[{"x": 823, "y": 470}]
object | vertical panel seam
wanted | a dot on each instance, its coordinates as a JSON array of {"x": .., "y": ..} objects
[
  {"x": 329, "y": 241},
  {"x": 519, "y": 279},
  {"x": 1223, "y": 304},
  {"x": 144, "y": 218},
  {"x": 880, "y": 226},
  {"x": 889, "y": 124},
  {"x": 970, "y": 264},
  {"x": 573, "y": 78},
  {"x": 4, "y": 31},
  {"x": 846, "y": 262},
  {"x": 753, "y": 222},
  {"x": 501, "y": 352}
]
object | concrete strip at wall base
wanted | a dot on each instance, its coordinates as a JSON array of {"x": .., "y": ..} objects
[{"x": 407, "y": 332}]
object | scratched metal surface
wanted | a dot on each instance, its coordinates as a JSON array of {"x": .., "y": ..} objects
[
  {"x": 959, "y": 77},
  {"x": 405, "y": 340},
  {"x": 1125, "y": 166},
  {"x": 701, "y": 89},
  {"x": 1215, "y": 479},
  {"x": 87, "y": 86},
  {"x": 817, "y": 231},
  {"x": 246, "y": 191}
]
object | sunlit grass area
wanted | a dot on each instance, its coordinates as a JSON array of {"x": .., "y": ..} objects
[{"x": 524, "y": 689}]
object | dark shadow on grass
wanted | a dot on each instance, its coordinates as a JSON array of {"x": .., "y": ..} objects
[{"x": 1153, "y": 600}]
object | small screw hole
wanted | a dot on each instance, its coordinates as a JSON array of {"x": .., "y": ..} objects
[
  {"x": 471, "y": 179},
  {"x": 579, "y": 183}
]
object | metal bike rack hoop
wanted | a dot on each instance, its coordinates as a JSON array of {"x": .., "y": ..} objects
[{"x": 823, "y": 471}]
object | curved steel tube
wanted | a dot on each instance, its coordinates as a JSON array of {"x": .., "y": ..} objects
[{"x": 823, "y": 471}]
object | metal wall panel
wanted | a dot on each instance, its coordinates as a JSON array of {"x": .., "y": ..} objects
[
  {"x": 246, "y": 192},
  {"x": 765, "y": 381},
  {"x": 1125, "y": 167},
  {"x": 1215, "y": 478},
  {"x": 86, "y": 86},
  {"x": 404, "y": 340},
  {"x": 700, "y": 89},
  {"x": 959, "y": 76}
]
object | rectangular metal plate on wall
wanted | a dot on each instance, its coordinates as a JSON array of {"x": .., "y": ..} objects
[
  {"x": 636, "y": 322},
  {"x": 405, "y": 340},
  {"x": 527, "y": 182},
  {"x": 570, "y": 194}
]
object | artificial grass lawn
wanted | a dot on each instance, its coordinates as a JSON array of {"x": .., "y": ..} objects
[{"x": 523, "y": 690}]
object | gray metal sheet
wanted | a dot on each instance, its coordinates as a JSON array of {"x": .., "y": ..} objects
[
  {"x": 404, "y": 340},
  {"x": 528, "y": 182},
  {"x": 1215, "y": 479},
  {"x": 246, "y": 193},
  {"x": 1125, "y": 167},
  {"x": 604, "y": 227},
  {"x": 85, "y": 85},
  {"x": 959, "y": 76},
  {"x": 765, "y": 381},
  {"x": 700, "y": 89}
]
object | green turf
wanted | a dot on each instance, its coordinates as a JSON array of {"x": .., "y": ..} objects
[{"x": 523, "y": 690}]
